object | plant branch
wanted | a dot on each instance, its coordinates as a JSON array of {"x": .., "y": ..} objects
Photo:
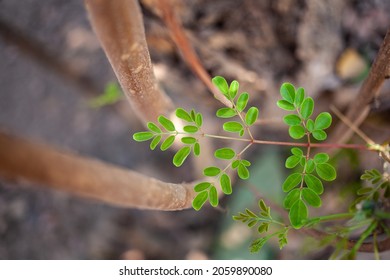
[{"x": 119, "y": 27}]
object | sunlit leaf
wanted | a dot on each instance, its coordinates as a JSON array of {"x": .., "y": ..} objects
[
  {"x": 285, "y": 105},
  {"x": 299, "y": 97},
  {"x": 183, "y": 114},
  {"x": 166, "y": 123},
  {"x": 190, "y": 129},
  {"x": 221, "y": 84},
  {"x": 167, "y": 142},
  {"x": 226, "y": 113},
  {"x": 181, "y": 156},
  {"x": 242, "y": 101},
  {"x": 251, "y": 116},
  {"x": 233, "y": 89},
  {"x": 292, "y": 119},
  {"x": 153, "y": 127},
  {"x": 307, "y": 107},
  {"x": 211, "y": 171},
  {"x": 188, "y": 140},
  {"x": 199, "y": 200},
  {"x": 225, "y": 153},
  {"x": 155, "y": 142},
  {"x": 243, "y": 172},
  {"x": 202, "y": 186},
  {"x": 292, "y": 161},
  {"x": 232, "y": 126},
  {"x": 291, "y": 198},
  {"x": 143, "y": 136},
  {"x": 287, "y": 91},
  {"x": 323, "y": 121}
]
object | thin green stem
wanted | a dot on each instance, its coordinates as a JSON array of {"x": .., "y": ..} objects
[{"x": 332, "y": 217}]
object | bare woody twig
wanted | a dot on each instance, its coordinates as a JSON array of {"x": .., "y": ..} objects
[
  {"x": 359, "y": 108},
  {"x": 87, "y": 177},
  {"x": 119, "y": 27}
]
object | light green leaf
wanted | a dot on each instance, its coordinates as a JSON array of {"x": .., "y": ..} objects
[
  {"x": 190, "y": 129},
  {"x": 213, "y": 196},
  {"x": 299, "y": 97},
  {"x": 225, "y": 113},
  {"x": 202, "y": 186},
  {"x": 323, "y": 121},
  {"x": 155, "y": 142},
  {"x": 181, "y": 156},
  {"x": 326, "y": 171},
  {"x": 221, "y": 84},
  {"x": 243, "y": 172},
  {"x": 235, "y": 163},
  {"x": 292, "y": 181},
  {"x": 296, "y": 131},
  {"x": 287, "y": 91},
  {"x": 298, "y": 214},
  {"x": 197, "y": 149},
  {"x": 310, "y": 125},
  {"x": 226, "y": 184},
  {"x": 245, "y": 162},
  {"x": 311, "y": 197},
  {"x": 188, "y": 140},
  {"x": 199, "y": 200},
  {"x": 310, "y": 165},
  {"x": 307, "y": 107},
  {"x": 232, "y": 126},
  {"x": 291, "y": 198},
  {"x": 154, "y": 127},
  {"x": 292, "y": 120},
  {"x": 321, "y": 158},
  {"x": 199, "y": 119},
  {"x": 292, "y": 161},
  {"x": 225, "y": 153},
  {"x": 242, "y": 101},
  {"x": 233, "y": 89},
  {"x": 297, "y": 152},
  {"x": 211, "y": 171},
  {"x": 285, "y": 105},
  {"x": 263, "y": 206},
  {"x": 320, "y": 135},
  {"x": 313, "y": 183},
  {"x": 143, "y": 136},
  {"x": 166, "y": 123},
  {"x": 251, "y": 116},
  {"x": 167, "y": 142},
  {"x": 193, "y": 115},
  {"x": 183, "y": 114}
]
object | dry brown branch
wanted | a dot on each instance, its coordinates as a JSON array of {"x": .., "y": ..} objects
[
  {"x": 119, "y": 27},
  {"x": 88, "y": 177},
  {"x": 359, "y": 108}
]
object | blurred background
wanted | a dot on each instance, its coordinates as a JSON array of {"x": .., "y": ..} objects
[{"x": 57, "y": 87}]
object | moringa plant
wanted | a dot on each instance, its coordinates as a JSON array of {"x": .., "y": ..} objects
[{"x": 303, "y": 187}]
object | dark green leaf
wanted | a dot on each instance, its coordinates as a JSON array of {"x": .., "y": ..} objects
[
  {"x": 323, "y": 121},
  {"x": 211, "y": 171},
  {"x": 233, "y": 89},
  {"x": 221, "y": 84},
  {"x": 242, "y": 101},
  {"x": 307, "y": 107},
  {"x": 326, "y": 171},
  {"x": 190, "y": 129},
  {"x": 313, "y": 183},
  {"x": 252, "y": 223},
  {"x": 296, "y": 131},
  {"x": 251, "y": 116},
  {"x": 155, "y": 142},
  {"x": 285, "y": 105},
  {"x": 364, "y": 191},
  {"x": 199, "y": 200},
  {"x": 188, "y": 140},
  {"x": 167, "y": 142},
  {"x": 292, "y": 161},
  {"x": 154, "y": 127},
  {"x": 182, "y": 114},
  {"x": 311, "y": 197},
  {"x": 292, "y": 120},
  {"x": 243, "y": 172},
  {"x": 143, "y": 136},
  {"x": 225, "y": 153},
  {"x": 262, "y": 205},
  {"x": 297, "y": 152},
  {"x": 262, "y": 228},
  {"x": 321, "y": 158},
  {"x": 202, "y": 186},
  {"x": 320, "y": 135},
  {"x": 292, "y": 181},
  {"x": 291, "y": 198},
  {"x": 167, "y": 124},
  {"x": 197, "y": 149},
  {"x": 250, "y": 213},
  {"x": 299, "y": 97},
  {"x": 310, "y": 165},
  {"x": 232, "y": 126},
  {"x": 193, "y": 115},
  {"x": 199, "y": 120},
  {"x": 213, "y": 196},
  {"x": 181, "y": 156},
  {"x": 287, "y": 91},
  {"x": 226, "y": 184},
  {"x": 298, "y": 214},
  {"x": 310, "y": 125},
  {"x": 226, "y": 113}
]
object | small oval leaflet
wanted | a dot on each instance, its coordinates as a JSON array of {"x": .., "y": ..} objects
[
  {"x": 181, "y": 156},
  {"x": 251, "y": 116},
  {"x": 226, "y": 113},
  {"x": 221, "y": 84},
  {"x": 155, "y": 142},
  {"x": 142, "y": 136},
  {"x": 292, "y": 181},
  {"x": 211, "y": 171},
  {"x": 232, "y": 126},
  {"x": 287, "y": 91},
  {"x": 226, "y": 185},
  {"x": 167, "y": 143},
  {"x": 166, "y": 123},
  {"x": 199, "y": 200},
  {"x": 225, "y": 153},
  {"x": 202, "y": 186},
  {"x": 213, "y": 196},
  {"x": 296, "y": 131},
  {"x": 291, "y": 198},
  {"x": 242, "y": 101},
  {"x": 153, "y": 127},
  {"x": 326, "y": 171},
  {"x": 183, "y": 114},
  {"x": 311, "y": 197},
  {"x": 307, "y": 107}
]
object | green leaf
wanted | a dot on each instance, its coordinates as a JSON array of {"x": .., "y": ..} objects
[
  {"x": 221, "y": 84},
  {"x": 211, "y": 171},
  {"x": 251, "y": 116},
  {"x": 190, "y": 129},
  {"x": 243, "y": 172},
  {"x": 245, "y": 162},
  {"x": 167, "y": 124},
  {"x": 262, "y": 228},
  {"x": 313, "y": 183},
  {"x": 225, "y": 153},
  {"x": 232, "y": 126},
  {"x": 225, "y": 113},
  {"x": 155, "y": 142},
  {"x": 258, "y": 244},
  {"x": 235, "y": 164},
  {"x": 310, "y": 165},
  {"x": 233, "y": 89},
  {"x": 193, "y": 115},
  {"x": 242, "y": 101},
  {"x": 154, "y": 127},
  {"x": 199, "y": 200},
  {"x": 197, "y": 149},
  {"x": 326, "y": 171},
  {"x": 143, "y": 136},
  {"x": 364, "y": 191},
  {"x": 213, "y": 196},
  {"x": 188, "y": 140},
  {"x": 291, "y": 198},
  {"x": 310, "y": 125},
  {"x": 298, "y": 214},
  {"x": 296, "y": 131},
  {"x": 252, "y": 223},
  {"x": 112, "y": 94},
  {"x": 292, "y": 181},
  {"x": 182, "y": 114},
  {"x": 167, "y": 142},
  {"x": 297, "y": 152},
  {"x": 199, "y": 119},
  {"x": 181, "y": 156},
  {"x": 287, "y": 91},
  {"x": 292, "y": 161},
  {"x": 299, "y": 97},
  {"x": 320, "y": 135},
  {"x": 263, "y": 206},
  {"x": 285, "y": 105},
  {"x": 323, "y": 121},
  {"x": 241, "y": 133},
  {"x": 321, "y": 158},
  {"x": 202, "y": 186},
  {"x": 307, "y": 107},
  {"x": 292, "y": 120},
  {"x": 311, "y": 197},
  {"x": 226, "y": 184}
]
